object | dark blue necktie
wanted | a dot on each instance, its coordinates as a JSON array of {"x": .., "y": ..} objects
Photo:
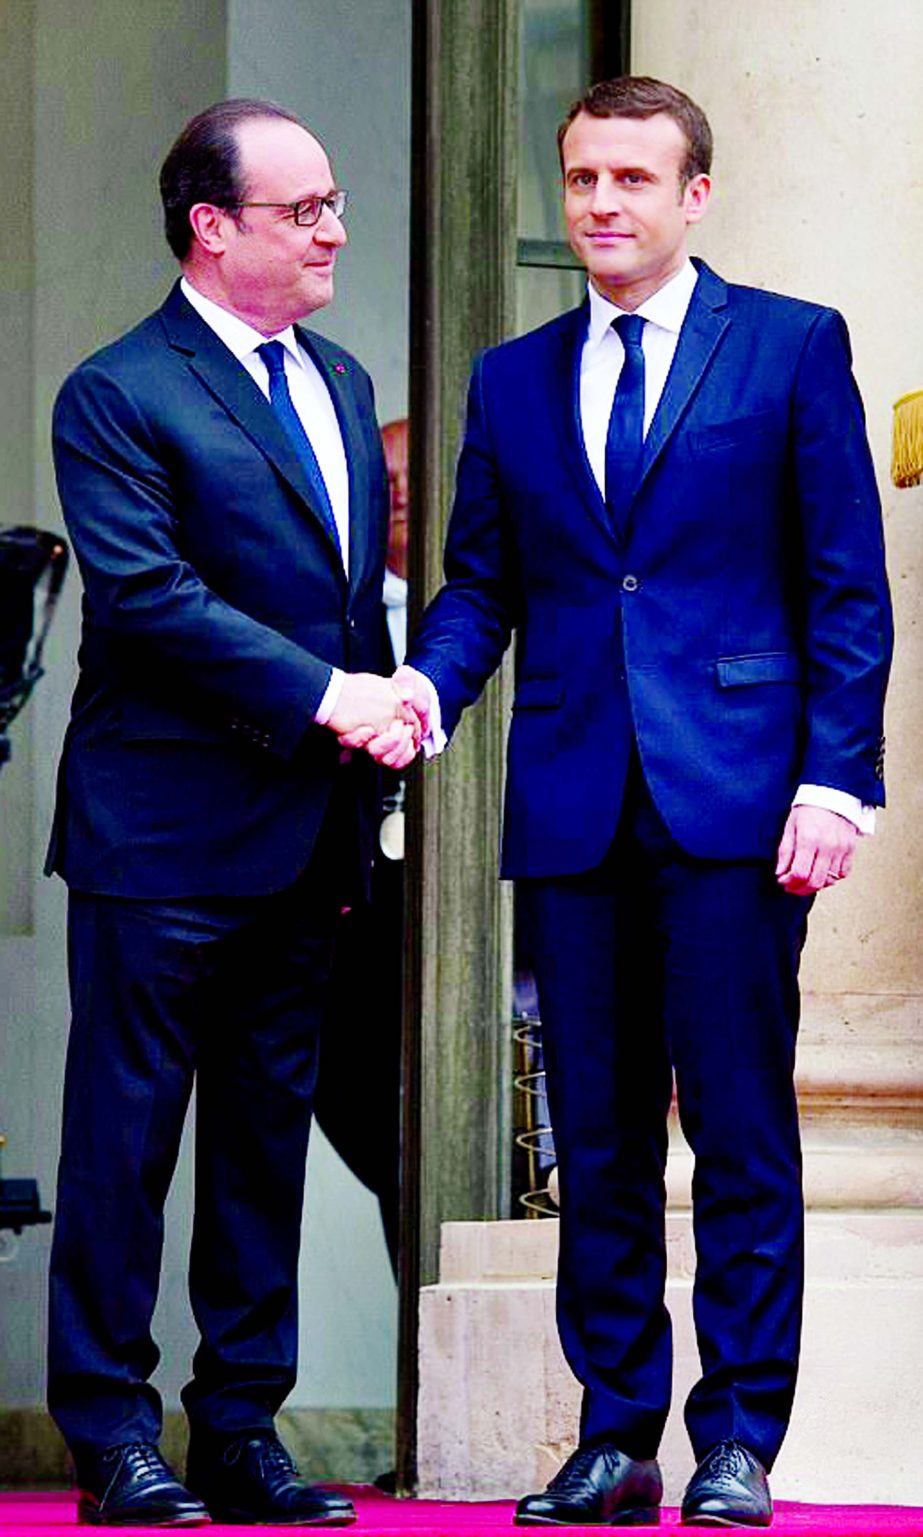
[
  {"x": 273, "y": 355},
  {"x": 625, "y": 438}
]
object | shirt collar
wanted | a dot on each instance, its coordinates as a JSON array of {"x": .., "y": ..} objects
[
  {"x": 665, "y": 308},
  {"x": 240, "y": 338}
]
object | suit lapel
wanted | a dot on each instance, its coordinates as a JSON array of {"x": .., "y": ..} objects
[
  {"x": 703, "y": 329},
  {"x": 564, "y": 383},
  {"x": 228, "y": 381},
  {"x": 335, "y": 369}
]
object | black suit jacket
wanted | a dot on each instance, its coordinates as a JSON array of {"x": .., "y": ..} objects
[{"x": 215, "y": 606}]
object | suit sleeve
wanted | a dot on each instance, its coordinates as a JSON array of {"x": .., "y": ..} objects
[
  {"x": 848, "y": 629},
  {"x": 115, "y": 484},
  {"x": 466, "y": 629}
]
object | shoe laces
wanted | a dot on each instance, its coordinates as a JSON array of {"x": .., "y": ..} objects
[
  {"x": 276, "y": 1459},
  {"x": 727, "y": 1461},
  {"x": 142, "y": 1455},
  {"x": 272, "y": 1455}
]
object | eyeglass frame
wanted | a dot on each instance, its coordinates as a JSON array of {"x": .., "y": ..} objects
[{"x": 339, "y": 197}]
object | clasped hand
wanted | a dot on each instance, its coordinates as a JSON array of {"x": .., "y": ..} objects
[{"x": 388, "y": 717}]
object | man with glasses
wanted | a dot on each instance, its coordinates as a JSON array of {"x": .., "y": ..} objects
[{"x": 222, "y": 479}]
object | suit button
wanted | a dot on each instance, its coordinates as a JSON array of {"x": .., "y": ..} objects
[
  {"x": 630, "y": 583},
  {"x": 351, "y": 624}
]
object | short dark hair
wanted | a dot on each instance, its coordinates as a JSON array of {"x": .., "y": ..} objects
[
  {"x": 641, "y": 96},
  {"x": 204, "y": 165}
]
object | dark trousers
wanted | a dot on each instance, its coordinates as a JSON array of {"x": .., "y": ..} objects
[
  {"x": 228, "y": 992},
  {"x": 658, "y": 964}
]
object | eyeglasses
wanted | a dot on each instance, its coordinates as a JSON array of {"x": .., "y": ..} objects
[{"x": 308, "y": 210}]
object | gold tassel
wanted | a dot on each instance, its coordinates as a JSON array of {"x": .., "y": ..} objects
[{"x": 907, "y": 459}]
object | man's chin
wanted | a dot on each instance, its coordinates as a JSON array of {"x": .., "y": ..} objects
[
  {"x": 318, "y": 295},
  {"x": 610, "y": 278},
  {"x": 610, "y": 266}
]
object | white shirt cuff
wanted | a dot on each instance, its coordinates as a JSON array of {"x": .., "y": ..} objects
[
  {"x": 330, "y": 696},
  {"x": 845, "y": 805},
  {"x": 435, "y": 740}
]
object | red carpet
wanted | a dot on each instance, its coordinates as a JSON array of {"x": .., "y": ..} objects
[{"x": 27, "y": 1515}]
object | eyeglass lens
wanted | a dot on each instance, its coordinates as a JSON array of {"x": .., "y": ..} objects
[{"x": 311, "y": 209}]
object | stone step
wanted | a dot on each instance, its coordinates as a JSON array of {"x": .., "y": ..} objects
[{"x": 498, "y": 1405}]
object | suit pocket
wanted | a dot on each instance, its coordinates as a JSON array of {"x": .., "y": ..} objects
[
  {"x": 538, "y": 694},
  {"x": 720, "y": 435},
  {"x": 760, "y": 667}
]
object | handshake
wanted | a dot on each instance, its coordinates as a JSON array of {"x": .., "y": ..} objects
[{"x": 388, "y": 717}]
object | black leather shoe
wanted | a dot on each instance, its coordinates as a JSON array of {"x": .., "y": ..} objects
[
  {"x": 598, "y": 1486},
  {"x": 254, "y": 1482},
  {"x": 131, "y": 1485},
  {"x": 728, "y": 1488}
]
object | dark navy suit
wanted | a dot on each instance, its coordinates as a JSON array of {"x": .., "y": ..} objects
[
  {"x": 675, "y": 682},
  {"x": 209, "y": 834}
]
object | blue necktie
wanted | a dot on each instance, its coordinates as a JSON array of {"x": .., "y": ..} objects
[
  {"x": 273, "y": 355},
  {"x": 625, "y": 438}
]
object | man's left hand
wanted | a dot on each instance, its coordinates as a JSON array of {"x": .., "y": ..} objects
[{"x": 817, "y": 850}]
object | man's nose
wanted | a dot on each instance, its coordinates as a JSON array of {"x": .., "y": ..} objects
[
  {"x": 606, "y": 198},
  {"x": 330, "y": 230}
]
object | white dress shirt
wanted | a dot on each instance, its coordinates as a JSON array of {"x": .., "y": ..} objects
[
  {"x": 603, "y": 356},
  {"x": 315, "y": 410}
]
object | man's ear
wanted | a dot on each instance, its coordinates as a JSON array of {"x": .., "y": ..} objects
[
  {"x": 209, "y": 227},
  {"x": 695, "y": 198}
]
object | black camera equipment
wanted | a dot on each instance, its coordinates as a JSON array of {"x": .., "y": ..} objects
[
  {"x": 20, "y": 1205},
  {"x": 29, "y": 559}
]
